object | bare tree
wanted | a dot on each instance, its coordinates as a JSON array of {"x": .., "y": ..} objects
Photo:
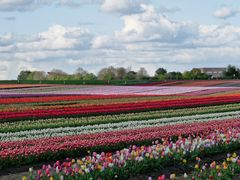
[
  {"x": 38, "y": 75},
  {"x": 57, "y": 74},
  {"x": 107, "y": 73},
  {"x": 121, "y": 73},
  {"x": 81, "y": 71},
  {"x": 142, "y": 73}
]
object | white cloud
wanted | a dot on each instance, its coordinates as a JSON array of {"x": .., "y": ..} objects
[
  {"x": 153, "y": 26},
  {"x": 151, "y": 39},
  {"x": 106, "y": 42},
  {"x": 29, "y": 5},
  {"x": 147, "y": 38},
  {"x": 57, "y": 44},
  {"x": 3, "y": 68},
  {"x": 68, "y": 3},
  {"x": 6, "y": 39},
  {"x": 111, "y": 6},
  {"x": 218, "y": 36},
  {"x": 58, "y": 37},
  {"x": 122, "y": 6},
  {"x": 9, "y": 4},
  {"x": 76, "y": 3},
  {"x": 226, "y": 12}
]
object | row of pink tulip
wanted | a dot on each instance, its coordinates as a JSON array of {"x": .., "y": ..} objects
[{"x": 115, "y": 90}]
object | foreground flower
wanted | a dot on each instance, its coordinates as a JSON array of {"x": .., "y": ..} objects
[
  {"x": 214, "y": 171},
  {"x": 97, "y": 164},
  {"x": 185, "y": 175},
  {"x": 163, "y": 177},
  {"x": 226, "y": 170},
  {"x": 173, "y": 176}
]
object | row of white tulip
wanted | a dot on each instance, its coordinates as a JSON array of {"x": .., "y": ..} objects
[{"x": 99, "y": 128}]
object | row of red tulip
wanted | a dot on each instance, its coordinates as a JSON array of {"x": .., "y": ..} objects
[{"x": 120, "y": 107}]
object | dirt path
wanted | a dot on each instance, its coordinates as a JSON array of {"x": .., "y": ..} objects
[{"x": 17, "y": 176}]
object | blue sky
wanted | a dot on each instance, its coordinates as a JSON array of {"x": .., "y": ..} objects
[{"x": 66, "y": 34}]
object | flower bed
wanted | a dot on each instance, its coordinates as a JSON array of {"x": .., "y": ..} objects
[
  {"x": 138, "y": 159},
  {"x": 28, "y": 151},
  {"x": 122, "y": 107},
  {"x": 53, "y": 98},
  {"x": 110, "y": 127},
  {"x": 229, "y": 168},
  {"x": 112, "y": 90},
  {"x": 69, "y": 121},
  {"x": 92, "y": 120}
]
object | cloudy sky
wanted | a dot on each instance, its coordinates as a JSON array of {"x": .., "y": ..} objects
[{"x": 66, "y": 34}]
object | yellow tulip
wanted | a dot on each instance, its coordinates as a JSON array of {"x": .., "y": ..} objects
[
  {"x": 196, "y": 166},
  {"x": 79, "y": 162},
  {"x": 218, "y": 167},
  {"x": 234, "y": 155},
  {"x": 99, "y": 167}
]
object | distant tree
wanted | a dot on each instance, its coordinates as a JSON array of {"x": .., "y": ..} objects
[
  {"x": 58, "y": 71},
  {"x": 142, "y": 74},
  {"x": 174, "y": 76},
  {"x": 178, "y": 76},
  {"x": 232, "y": 72},
  {"x": 187, "y": 75},
  {"x": 204, "y": 76},
  {"x": 153, "y": 78},
  {"x": 107, "y": 73},
  {"x": 89, "y": 76},
  {"x": 23, "y": 75},
  {"x": 160, "y": 74},
  {"x": 81, "y": 71},
  {"x": 161, "y": 77},
  {"x": 79, "y": 74},
  {"x": 121, "y": 73},
  {"x": 160, "y": 71},
  {"x": 131, "y": 75},
  {"x": 195, "y": 73},
  {"x": 37, "y": 75},
  {"x": 58, "y": 74}
]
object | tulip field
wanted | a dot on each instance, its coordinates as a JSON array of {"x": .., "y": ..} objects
[{"x": 63, "y": 132}]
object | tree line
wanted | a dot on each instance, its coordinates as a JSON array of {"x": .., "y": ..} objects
[{"x": 121, "y": 73}]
